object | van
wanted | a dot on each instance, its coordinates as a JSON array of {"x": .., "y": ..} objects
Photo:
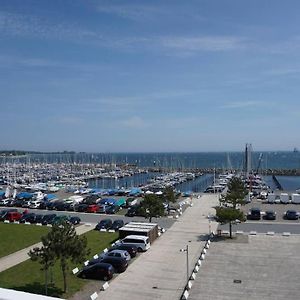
[{"x": 141, "y": 242}]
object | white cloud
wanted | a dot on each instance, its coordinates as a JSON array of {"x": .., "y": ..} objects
[
  {"x": 203, "y": 43},
  {"x": 134, "y": 122},
  {"x": 242, "y": 104}
]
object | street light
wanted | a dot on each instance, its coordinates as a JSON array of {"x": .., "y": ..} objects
[{"x": 187, "y": 261}]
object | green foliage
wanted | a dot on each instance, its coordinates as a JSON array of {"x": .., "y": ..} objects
[
  {"x": 169, "y": 195},
  {"x": 27, "y": 276},
  {"x": 228, "y": 214},
  {"x": 62, "y": 244},
  {"x": 236, "y": 193},
  {"x": 152, "y": 206}
]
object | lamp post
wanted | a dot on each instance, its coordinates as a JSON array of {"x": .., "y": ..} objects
[{"x": 187, "y": 261}]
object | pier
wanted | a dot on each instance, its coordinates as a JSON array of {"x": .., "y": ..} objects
[{"x": 277, "y": 183}]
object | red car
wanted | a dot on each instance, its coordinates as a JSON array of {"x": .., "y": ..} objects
[
  {"x": 13, "y": 216},
  {"x": 93, "y": 208}
]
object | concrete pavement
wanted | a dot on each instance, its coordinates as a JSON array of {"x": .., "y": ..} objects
[
  {"x": 255, "y": 267},
  {"x": 161, "y": 272},
  {"x": 15, "y": 258}
]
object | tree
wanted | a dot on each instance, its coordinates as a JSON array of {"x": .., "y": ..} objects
[
  {"x": 45, "y": 256},
  {"x": 64, "y": 245},
  {"x": 152, "y": 206},
  {"x": 169, "y": 195},
  {"x": 229, "y": 215},
  {"x": 228, "y": 212},
  {"x": 236, "y": 193}
]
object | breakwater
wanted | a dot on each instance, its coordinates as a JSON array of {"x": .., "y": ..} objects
[{"x": 284, "y": 172}]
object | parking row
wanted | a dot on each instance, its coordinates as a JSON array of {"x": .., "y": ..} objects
[{"x": 257, "y": 214}]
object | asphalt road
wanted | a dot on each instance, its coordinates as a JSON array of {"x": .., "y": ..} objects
[{"x": 264, "y": 227}]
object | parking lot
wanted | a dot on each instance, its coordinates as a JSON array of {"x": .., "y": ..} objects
[{"x": 279, "y": 208}]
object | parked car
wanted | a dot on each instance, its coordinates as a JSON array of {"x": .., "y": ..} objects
[
  {"x": 104, "y": 224},
  {"x": 82, "y": 207},
  {"x": 254, "y": 214},
  {"x": 141, "y": 242},
  {"x": 59, "y": 219},
  {"x": 291, "y": 215},
  {"x": 48, "y": 219},
  {"x": 103, "y": 271},
  {"x": 132, "y": 211},
  {"x": 4, "y": 213},
  {"x": 112, "y": 209},
  {"x": 4, "y": 202},
  {"x": 27, "y": 218},
  {"x": 270, "y": 215},
  {"x": 102, "y": 208},
  {"x": 119, "y": 264},
  {"x": 118, "y": 253},
  {"x": 117, "y": 224},
  {"x": 37, "y": 219},
  {"x": 92, "y": 208},
  {"x": 13, "y": 216},
  {"x": 131, "y": 249},
  {"x": 74, "y": 220}
]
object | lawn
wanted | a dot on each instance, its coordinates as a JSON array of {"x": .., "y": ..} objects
[
  {"x": 28, "y": 277},
  {"x": 15, "y": 237}
]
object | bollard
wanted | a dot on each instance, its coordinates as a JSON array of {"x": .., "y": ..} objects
[
  {"x": 189, "y": 285},
  {"x": 94, "y": 296},
  {"x": 105, "y": 250},
  {"x": 96, "y": 256},
  {"x": 204, "y": 251},
  {"x": 270, "y": 233},
  {"x": 202, "y": 256},
  {"x": 74, "y": 271},
  {"x": 193, "y": 276},
  {"x": 199, "y": 263},
  {"x": 105, "y": 286},
  {"x": 252, "y": 232},
  {"x": 185, "y": 295},
  {"x": 86, "y": 262},
  {"x": 196, "y": 270}
]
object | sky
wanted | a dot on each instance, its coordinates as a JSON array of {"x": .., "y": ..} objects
[{"x": 149, "y": 76}]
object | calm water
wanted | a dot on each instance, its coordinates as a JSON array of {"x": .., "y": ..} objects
[{"x": 270, "y": 160}]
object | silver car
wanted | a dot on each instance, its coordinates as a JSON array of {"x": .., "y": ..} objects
[{"x": 119, "y": 253}]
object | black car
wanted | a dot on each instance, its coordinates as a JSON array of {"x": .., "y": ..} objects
[
  {"x": 81, "y": 207},
  {"x": 103, "y": 271},
  {"x": 131, "y": 249},
  {"x": 132, "y": 211},
  {"x": 254, "y": 214},
  {"x": 112, "y": 209},
  {"x": 117, "y": 224},
  {"x": 27, "y": 218},
  {"x": 48, "y": 219},
  {"x": 38, "y": 219},
  {"x": 120, "y": 264},
  {"x": 270, "y": 215},
  {"x": 104, "y": 224},
  {"x": 74, "y": 220},
  {"x": 291, "y": 215}
]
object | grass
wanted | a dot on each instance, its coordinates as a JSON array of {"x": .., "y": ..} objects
[
  {"x": 28, "y": 277},
  {"x": 15, "y": 237}
]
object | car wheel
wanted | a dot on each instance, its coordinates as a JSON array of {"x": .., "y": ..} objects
[
  {"x": 83, "y": 276},
  {"x": 140, "y": 249}
]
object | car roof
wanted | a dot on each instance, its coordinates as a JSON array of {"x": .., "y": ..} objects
[{"x": 118, "y": 251}]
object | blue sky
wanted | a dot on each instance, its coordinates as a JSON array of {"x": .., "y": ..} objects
[{"x": 118, "y": 76}]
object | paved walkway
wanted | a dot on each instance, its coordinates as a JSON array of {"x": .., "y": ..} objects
[
  {"x": 15, "y": 258},
  {"x": 160, "y": 273}
]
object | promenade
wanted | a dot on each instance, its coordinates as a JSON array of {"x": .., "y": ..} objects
[
  {"x": 161, "y": 272},
  {"x": 15, "y": 258}
]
